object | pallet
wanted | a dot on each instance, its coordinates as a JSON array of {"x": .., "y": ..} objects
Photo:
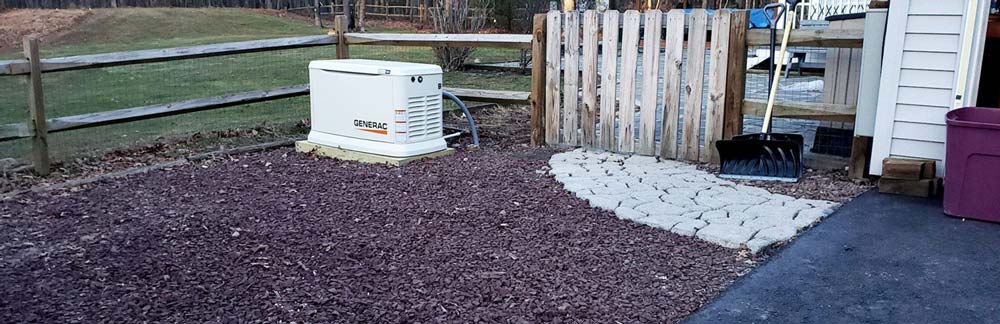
[{"x": 349, "y": 155}]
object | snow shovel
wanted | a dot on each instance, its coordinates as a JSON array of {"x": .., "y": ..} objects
[{"x": 767, "y": 155}]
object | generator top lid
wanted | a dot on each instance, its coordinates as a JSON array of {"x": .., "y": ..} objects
[{"x": 375, "y": 67}]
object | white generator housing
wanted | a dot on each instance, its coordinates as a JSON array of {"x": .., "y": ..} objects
[{"x": 379, "y": 107}]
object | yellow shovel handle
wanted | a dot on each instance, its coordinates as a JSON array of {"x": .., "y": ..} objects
[{"x": 789, "y": 20}]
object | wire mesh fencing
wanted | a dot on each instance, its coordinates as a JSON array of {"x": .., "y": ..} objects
[
  {"x": 71, "y": 93},
  {"x": 805, "y": 78}
]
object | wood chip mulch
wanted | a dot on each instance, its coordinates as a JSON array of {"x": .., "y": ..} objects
[{"x": 280, "y": 237}]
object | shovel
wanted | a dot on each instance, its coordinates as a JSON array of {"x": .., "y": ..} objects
[{"x": 766, "y": 155}]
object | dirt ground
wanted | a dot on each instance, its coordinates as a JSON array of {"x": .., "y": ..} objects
[
  {"x": 17, "y": 23},
  {"x": 278, "y": 236}
]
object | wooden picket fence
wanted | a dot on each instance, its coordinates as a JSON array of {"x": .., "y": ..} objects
[{"x": 593, "y": 105}]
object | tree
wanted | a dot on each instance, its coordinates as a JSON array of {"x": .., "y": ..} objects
[{"x": 457, "y": 17}]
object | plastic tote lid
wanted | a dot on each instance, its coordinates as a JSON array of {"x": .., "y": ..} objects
[
  {"x": 375, "y": 67},
  {"x": 974, "y": 117}
]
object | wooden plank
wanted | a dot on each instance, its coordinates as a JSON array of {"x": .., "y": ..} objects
[
  {"x": 571, "y": 78},
  {"x": 609, "y": 79},
  {"x": 447, "y": 40},
  {"x": 15, "y": 131},
  {"x": 861, "y": 155},
  {"x": 650, "y": 83},
  {"x": 343, "y": 51},
  {"x": 908, "y": 169},
  {"x": 736, "y": 79},
  {"x": 626, "y": 102},
  {"x": 590, "y": 108},
  {"x": 62, "y": 124},
  {"x": 916, "y": 188},
  {"x": 494, "y": 96},
  {"x": 717, "y": 74},
  {"x": 854, "y": 77},
  {"x": 672, "y": 83},
  {"x": 842, "y": 38},
  {"x": 694, "y": 77},
  {"x": 830, "y": 75},
  {"x": 36, "y": 108},
  {"x": 166, "y": 54},
  {"x": 538, "y": 80},
  {"x": 553, "y": 56},
  {"x": 802, "y": 110}
]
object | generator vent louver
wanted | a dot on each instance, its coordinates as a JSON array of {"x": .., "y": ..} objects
[{"x": 423, "y": 117}]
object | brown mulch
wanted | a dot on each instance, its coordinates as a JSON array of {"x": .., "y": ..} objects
[
  {"x": 17, "y": 23},
  {"x": 831, "y": 185},
  {"x": 280, "y": 236},
  {"x": 160, "y": 151}
]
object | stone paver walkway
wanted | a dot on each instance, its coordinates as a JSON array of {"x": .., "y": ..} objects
[{"x": 678, "y": 197}]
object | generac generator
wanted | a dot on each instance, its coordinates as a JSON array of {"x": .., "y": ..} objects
[{"x": 378, "y": 107}]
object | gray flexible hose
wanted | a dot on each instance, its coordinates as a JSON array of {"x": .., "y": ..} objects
[{"x": 468, "y": 116}]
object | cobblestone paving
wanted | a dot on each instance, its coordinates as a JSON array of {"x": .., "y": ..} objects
[{"x": 678, "y": 197}]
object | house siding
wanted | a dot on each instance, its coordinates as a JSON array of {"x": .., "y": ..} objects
[{"x": 923, "y": 41}]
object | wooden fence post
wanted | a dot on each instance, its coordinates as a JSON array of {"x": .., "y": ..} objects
[
  {"x": 340, "y": 23},
  {"x": 316, "y": 8},
  {"x": 538, "y": 80},
  {"x": 737, "y": 75},
  {"x": 36, "y": 106}
]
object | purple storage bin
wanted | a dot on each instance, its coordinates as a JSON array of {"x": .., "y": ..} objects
[{"x": 972, "y": 170}]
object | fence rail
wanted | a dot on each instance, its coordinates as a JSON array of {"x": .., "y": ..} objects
[{"x": 39, "y": 126}]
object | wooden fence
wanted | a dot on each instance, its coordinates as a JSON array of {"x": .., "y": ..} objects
[
  {"x": 33, "y": 67},
  {"x": 581, "y": 97},
  {"x": 596, "y": 114}
]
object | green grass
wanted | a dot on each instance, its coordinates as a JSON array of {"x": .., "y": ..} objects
[{"x": 85, "y": 91}]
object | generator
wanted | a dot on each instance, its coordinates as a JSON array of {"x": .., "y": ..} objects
[{"x": 378, "y": 107}]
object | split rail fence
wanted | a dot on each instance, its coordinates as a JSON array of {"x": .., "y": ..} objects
[
  {"x": 596, "y": 80},
  {"x": 33, "y": 67}
]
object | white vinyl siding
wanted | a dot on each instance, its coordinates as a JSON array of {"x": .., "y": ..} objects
[{"x": 922, "y": 45}]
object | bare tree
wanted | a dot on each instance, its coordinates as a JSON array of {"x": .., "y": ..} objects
[{"x": 457, "y": 17}]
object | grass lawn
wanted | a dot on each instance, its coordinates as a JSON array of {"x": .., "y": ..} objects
[{"x": 108, "y": 30}]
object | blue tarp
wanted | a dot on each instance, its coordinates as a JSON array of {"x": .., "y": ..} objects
[{"x": 759, "y": 18}]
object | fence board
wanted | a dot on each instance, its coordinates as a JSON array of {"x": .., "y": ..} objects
[
  {"x": 552, "y": 63},
  {"x": 588, "y": 120},
  {"x": 571, "y": 78},
  {"x": 693, "y": 89},
  {"x": 802, "y": 110},
  {"x": 736, "y": 79},
  {"x": 15, "y": 131},
  {"x": 609, "y": 79},
  {"x": 650, "y": 82},
  {"x": 538, "y": 96},
  {"x": 166, "y": 54},
  {"x": 450, "y": 40},
  {"x": 180, "y": 107},
  {"x": 842, "y": 38},
  {"x": 714, "y": 119},
  {"x": 626, "y": 102},
  {"x": 672, "y": 83},
  {"x": 494, "y": 96}
]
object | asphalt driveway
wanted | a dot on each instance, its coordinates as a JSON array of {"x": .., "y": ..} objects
[{"x": 879, "y": 258}]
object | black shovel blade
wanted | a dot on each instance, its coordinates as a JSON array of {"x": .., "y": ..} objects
[{"x": 762, "y": 157}]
